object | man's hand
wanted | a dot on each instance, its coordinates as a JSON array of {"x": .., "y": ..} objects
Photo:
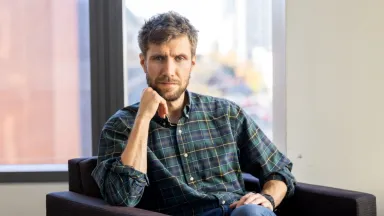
[
  {"x": 252, "y": 198},
  {"x": 150, "y": 103}
]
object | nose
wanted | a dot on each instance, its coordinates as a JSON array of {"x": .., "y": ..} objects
[{"x": 169, "y": 68}]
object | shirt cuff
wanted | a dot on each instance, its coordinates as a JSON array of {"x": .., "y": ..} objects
[
  {"x": 289, "y": 181},
  {"x": 121, "y": 169}
]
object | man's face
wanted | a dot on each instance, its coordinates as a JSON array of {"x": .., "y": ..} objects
[{"x": 168, "y": 67}]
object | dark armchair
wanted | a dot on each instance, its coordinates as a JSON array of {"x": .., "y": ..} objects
[{"x": 83, "y": 198}]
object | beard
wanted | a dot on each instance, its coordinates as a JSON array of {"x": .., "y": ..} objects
[{"x": 171, "y": 94}]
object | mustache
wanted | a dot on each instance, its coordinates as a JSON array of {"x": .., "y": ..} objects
[{"x": 166, "y": 79}]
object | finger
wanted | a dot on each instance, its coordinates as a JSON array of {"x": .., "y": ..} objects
[
  {"x": 267, "y": 204},
  {"x": 250, "y": 199},
  {"x": 142, "y": 92},
  {"x": 259, "y": 200},
  {"x": 165, "y": 106},
  {"x": 245, "y": 197},
  {"x": 239, "y": 203},
  {"x": 242, "y": 200},
  {"x": 161, "y": 110},
  {"x": 233, "y": 204},
  {"x": 148, "y": 89}
]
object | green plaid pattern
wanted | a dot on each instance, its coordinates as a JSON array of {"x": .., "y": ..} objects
[{"x": 194, "y": 166}]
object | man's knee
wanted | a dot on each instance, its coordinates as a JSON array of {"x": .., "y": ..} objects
[{"x": 252, "y": 210}]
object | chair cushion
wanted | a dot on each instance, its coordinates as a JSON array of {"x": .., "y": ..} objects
[{"x": 90, "y": 188}]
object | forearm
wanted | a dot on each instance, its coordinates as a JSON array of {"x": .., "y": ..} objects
[
  {"x": 135, "y": 153},
  {"x": 277, "y": 189}
]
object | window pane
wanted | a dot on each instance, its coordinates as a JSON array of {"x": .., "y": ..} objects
[
  {"x": 44, "y": 84},
  {"x": 234, "y": 52}
]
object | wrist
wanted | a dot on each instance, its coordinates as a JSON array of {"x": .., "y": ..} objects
[
  {"x": 270, "y": 199},
  {"x": 143, "y": 118}
]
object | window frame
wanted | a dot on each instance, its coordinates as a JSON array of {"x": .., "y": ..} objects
[
  {"x": 279, "y": 102},
  {"x": 106, "y": 77}
]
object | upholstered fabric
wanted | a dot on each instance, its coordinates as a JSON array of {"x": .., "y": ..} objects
[{"x": 84, "y": 198}]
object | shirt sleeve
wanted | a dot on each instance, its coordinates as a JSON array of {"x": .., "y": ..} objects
[
  {"x": 119, "y": 184},
  {"x": 258, "y": 155}
]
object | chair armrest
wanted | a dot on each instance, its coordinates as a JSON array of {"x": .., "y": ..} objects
[
  {"x": 317, "y": 200},
  {"x": 74, "y": 204}
]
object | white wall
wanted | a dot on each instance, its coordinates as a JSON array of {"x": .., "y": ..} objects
[
  {"x": 335, "y": 93},
  {"x": 26, "y": 199}
]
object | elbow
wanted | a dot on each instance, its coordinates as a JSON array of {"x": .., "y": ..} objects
[
  {"x": 117, "y": 194},
  {"x": 119, "y": 185}
]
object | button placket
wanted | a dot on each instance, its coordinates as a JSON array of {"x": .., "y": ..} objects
[{"x": 183, "y": 150}]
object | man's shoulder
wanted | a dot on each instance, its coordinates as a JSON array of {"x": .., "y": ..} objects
[{"x": 122, "y": 119}]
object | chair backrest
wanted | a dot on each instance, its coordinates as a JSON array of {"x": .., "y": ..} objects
[{"x": 80, "y": 179}]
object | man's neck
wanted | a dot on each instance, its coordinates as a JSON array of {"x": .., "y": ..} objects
[{"x": 175, "y": 108}]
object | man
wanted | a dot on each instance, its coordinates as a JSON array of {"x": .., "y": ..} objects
[{"x": 186, "y": 150}]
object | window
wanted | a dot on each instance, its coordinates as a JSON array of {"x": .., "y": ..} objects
[
  {"x": 234, "y": 52},
  {"x": 45, "y": 114}
]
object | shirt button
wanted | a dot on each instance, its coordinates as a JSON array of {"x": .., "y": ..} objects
[
  {"x": 191, "y": 179},
  {"x": 223, "y": 202},
  {"x": 185, "y": 155},
  {"x": 180, "y": 131}
]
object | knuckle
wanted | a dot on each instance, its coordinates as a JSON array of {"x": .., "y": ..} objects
[
  {"x": 155, "y": 96},
  {"x": 145, "y": 92},
  {"x": 157, "y": 99}
]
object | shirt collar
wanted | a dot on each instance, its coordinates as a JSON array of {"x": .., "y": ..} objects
[{"x": 187, "y": 108}]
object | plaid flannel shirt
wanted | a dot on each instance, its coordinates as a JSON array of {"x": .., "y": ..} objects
[{"x": 194, "y": 166}]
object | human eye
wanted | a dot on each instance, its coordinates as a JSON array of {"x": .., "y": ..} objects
[
  {"x": 160, "y": 58},
  {"x": 179, "y": 58}
]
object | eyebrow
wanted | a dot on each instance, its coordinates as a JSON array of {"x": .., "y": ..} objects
[{"x": 165, "y": 56}]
